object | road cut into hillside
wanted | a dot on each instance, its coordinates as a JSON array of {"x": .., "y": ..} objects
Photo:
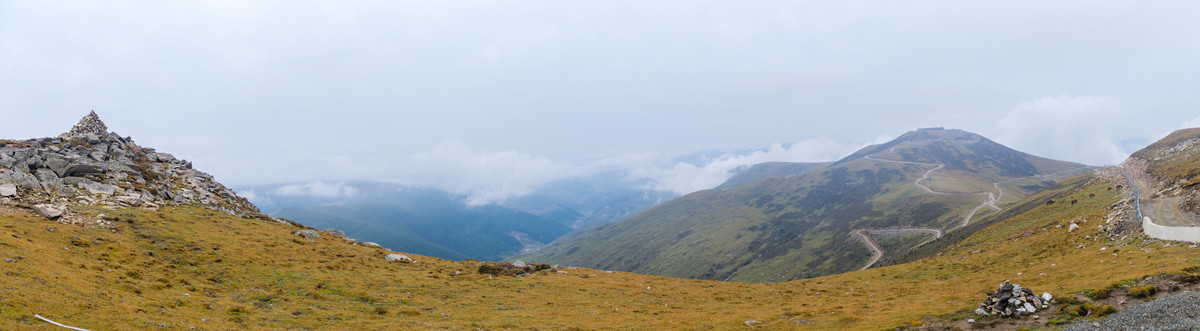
[{"x": 864, "y": 235}]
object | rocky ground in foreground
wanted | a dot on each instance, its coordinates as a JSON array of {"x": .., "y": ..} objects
[{"x": 1176, "y": 312}]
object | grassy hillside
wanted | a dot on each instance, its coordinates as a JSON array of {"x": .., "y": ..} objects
[
  {"x": 192, "y": 267},
  {"x": 771, "y": 169},
  {"x": 1175, "y": 157},
  {"x": 785, "y": 228}
]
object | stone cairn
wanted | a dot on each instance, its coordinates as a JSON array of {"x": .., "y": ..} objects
[
  {"x": 89, "y": 166},
  {"x": 1012, "y": 300},
  {"x": 90, "y": 124}
]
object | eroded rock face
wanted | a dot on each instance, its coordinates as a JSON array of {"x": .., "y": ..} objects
[{"x": 90, "y": 166}]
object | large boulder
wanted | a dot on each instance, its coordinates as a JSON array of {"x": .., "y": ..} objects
[
  {"x": 50, "y": 211},
  {"x": 161, "y": 157},
  {"x": 97, "y": 188},
  {"x": 81, "y": 169},
  {"x": 399, "y": 257},
  {"x": 57, "y": 164},
  {"x": 309, "y": 234},
  {"x": 22, "y": 179},
  {"x": 8, "y": 190},
  {"x": 49, "y": 180}
]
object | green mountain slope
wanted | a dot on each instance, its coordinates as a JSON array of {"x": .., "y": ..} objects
[
  {"x": 785, "y": 228},
  {"x": 771, "y": 169}
]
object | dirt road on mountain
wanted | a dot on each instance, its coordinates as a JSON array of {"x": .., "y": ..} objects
[
  {"x": 993, "y": 198},
  {"x": 864, "y": 235},
  {"x": 876, "y": 252},
  {"x": 936, "y": 167},
  {"x": 1165, "y": 211},
  {"x": 991, "y": 201}
]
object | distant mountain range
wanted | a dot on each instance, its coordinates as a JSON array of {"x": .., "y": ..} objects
[
  {"x": 437, "y": 223},
  {"x": 796, "y": 220}
]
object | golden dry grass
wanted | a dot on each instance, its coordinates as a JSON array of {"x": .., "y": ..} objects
[{"x": 193, "y": 267}]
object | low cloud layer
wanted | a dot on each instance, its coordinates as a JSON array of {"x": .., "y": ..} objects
[
  {"x": 485, "y": 177},
  {"x": 1094, "y": 130},
  {"x": 317, "y": 189},
  {"x": 683, "y": 178}
]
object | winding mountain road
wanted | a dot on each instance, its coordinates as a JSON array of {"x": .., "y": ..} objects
[
  {"x": 877, "y": 252},
  {"x": 991, "y": 201},
  {"x": 936, "y": 167}
]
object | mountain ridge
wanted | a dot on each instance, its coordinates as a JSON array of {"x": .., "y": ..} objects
[{"x": 800, "y": 226}]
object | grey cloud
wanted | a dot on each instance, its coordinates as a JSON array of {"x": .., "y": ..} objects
[{"x": 279, "y": 91}]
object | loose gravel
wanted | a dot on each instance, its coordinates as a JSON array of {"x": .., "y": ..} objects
[{"x": 1176, "y": 312}]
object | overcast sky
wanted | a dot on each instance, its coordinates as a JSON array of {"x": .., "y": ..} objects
[{"x": 497, "y": 97}]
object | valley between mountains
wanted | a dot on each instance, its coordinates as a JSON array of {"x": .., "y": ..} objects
[{"x": 161, "y": 246}]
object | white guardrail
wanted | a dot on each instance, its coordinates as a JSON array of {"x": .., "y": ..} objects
[{"x": 1176, "y": 233}]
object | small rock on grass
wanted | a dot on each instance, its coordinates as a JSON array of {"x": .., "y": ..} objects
[
  {"x": 309, "y": 234},
  {"x": 399, "y": 257},
  {"x": 50, "y": 211}
]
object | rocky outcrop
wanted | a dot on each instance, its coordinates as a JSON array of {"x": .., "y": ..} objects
[{"x": 89, "y": 166}]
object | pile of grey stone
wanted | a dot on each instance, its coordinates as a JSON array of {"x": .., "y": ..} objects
[
  {"x": 90, "y": 166},
  {"x": 1012, "y": 300},
  {"x": 90, "y": 124}
]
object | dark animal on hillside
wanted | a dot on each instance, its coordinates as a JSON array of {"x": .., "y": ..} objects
[
  {"x": 1073, "y": 202},
  {"x": 1093, "y": 195},
  {"x": 1049, "y": 202},
  {"x": 1119, "y": 187},
  {"x": 1110, "y": 188}
]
